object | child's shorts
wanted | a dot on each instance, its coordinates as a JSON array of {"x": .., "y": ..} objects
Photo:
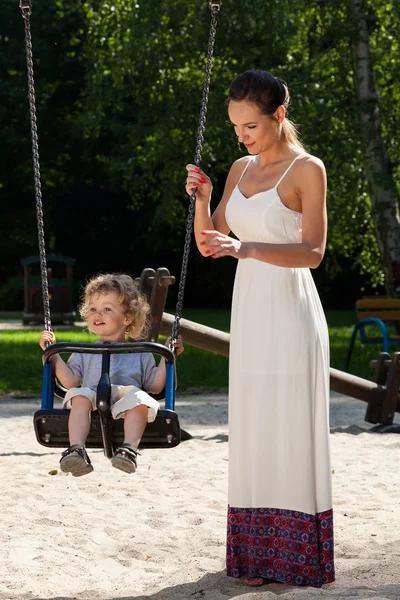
[{"x": 123, "y": 398}]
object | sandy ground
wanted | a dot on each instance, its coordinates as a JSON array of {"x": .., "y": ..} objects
[{"x": 160, "y": 534}]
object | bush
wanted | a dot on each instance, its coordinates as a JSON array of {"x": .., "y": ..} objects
[{"x": 12, "y": 294}]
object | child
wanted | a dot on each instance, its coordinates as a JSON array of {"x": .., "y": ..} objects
[{"x": 113, "y": 308}]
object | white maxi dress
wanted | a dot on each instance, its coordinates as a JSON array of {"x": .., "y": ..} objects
[{"x": 280, "y": 519}]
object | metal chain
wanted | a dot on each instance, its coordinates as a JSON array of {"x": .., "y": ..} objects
[
  {"x": 26, "y": 7},
  {"x": 214, "y": 7}
]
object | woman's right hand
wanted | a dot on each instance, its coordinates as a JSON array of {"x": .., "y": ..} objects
[
  {"x": 198, "y": 180},
  {"x": 46, "y": 337}
]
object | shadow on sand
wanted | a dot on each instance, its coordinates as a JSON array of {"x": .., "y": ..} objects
[{"x": 216, "y": 586}]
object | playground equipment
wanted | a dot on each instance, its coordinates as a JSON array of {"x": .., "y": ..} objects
[
  {"x": 155, "y": 284},
  {"x": 51, "y": 424},
  {"x": 60, "y": 290},
  {"x": 381, "y": 395},
  {"x": 377, "y": 311},
  {"x": 387, "y": 372}
]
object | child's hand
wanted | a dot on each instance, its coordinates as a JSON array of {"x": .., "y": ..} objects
[
  {"x": 46, "y": 337},
  {"x": 179, "y": 347}
]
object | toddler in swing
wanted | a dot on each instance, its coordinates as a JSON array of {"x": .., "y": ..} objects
[{"x": 114, "y": 308}]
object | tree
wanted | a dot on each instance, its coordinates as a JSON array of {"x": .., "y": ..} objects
[
  {"x": 378, "y": 166},
  {"x": 57, "y": 33},
  {"x": 119, "y": 90},
  {"x": 157, "y": 74}
]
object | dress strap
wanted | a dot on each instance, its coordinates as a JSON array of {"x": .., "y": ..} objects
[
  {"x": 244, "y": 170},
  {"x": 289, "y": 167}
]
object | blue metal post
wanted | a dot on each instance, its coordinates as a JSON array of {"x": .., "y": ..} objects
[
  {"x": 170, "y": 387},
  {"x": 47, "y": 387}
]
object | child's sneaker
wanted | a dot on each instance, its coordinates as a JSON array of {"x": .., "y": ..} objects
[
  {"x": 124, "y": 458},
  {"x": 75, "y": 460}
]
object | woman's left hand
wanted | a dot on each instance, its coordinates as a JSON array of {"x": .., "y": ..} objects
[{"x": 219, "y": 245}]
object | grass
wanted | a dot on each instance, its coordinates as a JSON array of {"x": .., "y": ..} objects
[{"x": 20, "y": 354}]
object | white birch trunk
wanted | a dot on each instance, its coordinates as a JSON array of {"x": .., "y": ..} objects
[{"x": 382, "y": 187}]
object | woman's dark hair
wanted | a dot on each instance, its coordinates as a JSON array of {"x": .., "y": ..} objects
[{"x": 268, "y": 93}]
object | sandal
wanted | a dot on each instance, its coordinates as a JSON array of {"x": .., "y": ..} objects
[
  {"x": 124, "y": 458},
  {"x": 75, "y": 460}
]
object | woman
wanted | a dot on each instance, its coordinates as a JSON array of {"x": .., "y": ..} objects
[{"x": 279, "y": 497}]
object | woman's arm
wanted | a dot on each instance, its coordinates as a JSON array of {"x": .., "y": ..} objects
[
  {"x": 309, "y": 253},
  {"x": 203, "y": 219}
]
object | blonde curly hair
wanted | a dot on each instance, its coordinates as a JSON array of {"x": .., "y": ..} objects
[{"x": 133, "y": 303}]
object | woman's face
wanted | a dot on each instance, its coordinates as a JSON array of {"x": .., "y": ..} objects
[{"x": 256, "y": 131}]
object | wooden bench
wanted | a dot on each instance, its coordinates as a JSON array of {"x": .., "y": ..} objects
[{"x": 379, "y": 311}]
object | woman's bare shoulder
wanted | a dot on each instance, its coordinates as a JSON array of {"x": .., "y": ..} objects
[
  {"x": 310, "y": 162},
  {"x": 309, "y": 168},
  {"x": 309, "y": 178},
  {"x": 239, "y": 165}
]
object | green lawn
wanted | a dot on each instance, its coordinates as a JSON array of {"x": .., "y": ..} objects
[{"x": 20, "y": 354}]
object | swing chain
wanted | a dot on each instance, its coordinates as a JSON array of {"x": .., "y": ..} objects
[
  {"x": 214, "y": 6},
  {"x": 26, "y": 7}
]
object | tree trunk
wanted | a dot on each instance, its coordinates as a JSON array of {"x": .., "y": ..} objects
[{"x": 382, "y": 187}]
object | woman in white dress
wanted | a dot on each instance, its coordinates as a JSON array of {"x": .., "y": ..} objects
[{"x": 280, "y": 521}]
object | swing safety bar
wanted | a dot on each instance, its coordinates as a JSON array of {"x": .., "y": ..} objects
[
  {"x": 125, "y": 348},
  {"x": 51, "y": 425}
]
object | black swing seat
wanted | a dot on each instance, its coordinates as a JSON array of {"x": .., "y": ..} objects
[
  {"x": 51, "y": 428},
  {"x": 51, "y": 424}
]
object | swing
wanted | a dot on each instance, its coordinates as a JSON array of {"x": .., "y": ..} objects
[{"x": 51, "y": 425}]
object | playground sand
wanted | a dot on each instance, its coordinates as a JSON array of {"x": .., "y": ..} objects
[{"x": 160, "y": 534}]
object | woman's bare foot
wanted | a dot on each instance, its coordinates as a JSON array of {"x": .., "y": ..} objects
[{"x": 253, "y": 581}]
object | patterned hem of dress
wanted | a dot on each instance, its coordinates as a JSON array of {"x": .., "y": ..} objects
[{"x": 287, "y": 546}]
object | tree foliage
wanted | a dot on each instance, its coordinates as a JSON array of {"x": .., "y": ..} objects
[{"x": 119, "y": 87}]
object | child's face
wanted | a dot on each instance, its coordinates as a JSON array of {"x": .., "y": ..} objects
[{"x": 106, "y": 317}]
